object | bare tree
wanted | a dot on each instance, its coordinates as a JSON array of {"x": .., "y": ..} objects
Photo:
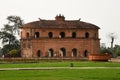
[{"x": 112, "y": 36}]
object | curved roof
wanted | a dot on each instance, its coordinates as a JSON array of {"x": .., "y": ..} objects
[{"x": 59, "y": 24}]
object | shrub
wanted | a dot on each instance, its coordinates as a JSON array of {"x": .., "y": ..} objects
[{"x": 14, "y": 53}]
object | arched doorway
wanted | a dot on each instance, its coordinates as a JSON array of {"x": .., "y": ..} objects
[
  {"x": 27, "y": 35},
  {"x": 62, "y": 35},
  {"x": 50, "y": 34},
  {"x": 85, "y": 53},
  {"x": 74, "y": 52},
  {"x": 50, "y": 52},
  {"x": 74, "y": 35},
  {"x": 86, "y": 35},
  {"x": 37, "y": 35},
  {"x": 63, "y": 52},
  {"x": 38, "y": 53}
]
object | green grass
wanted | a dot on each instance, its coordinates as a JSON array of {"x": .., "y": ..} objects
[
  {"x": 64, "y": 74},
  {"x": 60, "y": 64},
  {"x": 61, "y": 74}
]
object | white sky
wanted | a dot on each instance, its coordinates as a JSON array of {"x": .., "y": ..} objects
[{"x": 103, "y": 13}]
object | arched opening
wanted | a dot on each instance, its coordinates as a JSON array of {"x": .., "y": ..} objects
[
  {"x": 50, "y": 34},
  {"x": 63, "y": 52},
  {"x": 62, "y": 35},
  {"x": 74, "y": 35},
  {"x": 50, "y": 52},
  {"x": 74, "y": 52},
  {"x": 38, "y": 53},
  {"x": 27, "y": 35},
  {"x": 86, "y": 35},
  {"x": 85, "y": 53},
  {"x": 37, "y": 35}
]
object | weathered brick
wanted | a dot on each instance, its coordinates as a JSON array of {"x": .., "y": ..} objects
[{"x": 80, "y": 38}]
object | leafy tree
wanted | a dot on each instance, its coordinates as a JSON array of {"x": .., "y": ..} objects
[
  {"x": 7, "y": 34},
  {"x": 7, "y": 37},
  {"x": 6, "y": 48},
  {"x": 117, "y": 50},
  {"x": 14, "y": 24},
  {"x": 0, "y": 52},
  {"x": 105, "y": 50}
]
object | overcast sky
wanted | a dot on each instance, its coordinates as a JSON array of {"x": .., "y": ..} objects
[{"x": 103, "y": 13}]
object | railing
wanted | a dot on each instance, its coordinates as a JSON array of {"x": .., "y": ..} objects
[
  {"x": 59, "y": 38},
  {"x": 99, "y": 57}
]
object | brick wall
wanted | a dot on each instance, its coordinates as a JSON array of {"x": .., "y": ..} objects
[
  {"x": 99, "y": 57},
  {"x": 43, "y": 43}
]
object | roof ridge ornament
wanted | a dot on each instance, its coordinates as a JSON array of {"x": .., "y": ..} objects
[
  {"x": 79, "y": 19},
  {"x": 40, "y": 19},
  {"x": 60, "y": 18}
]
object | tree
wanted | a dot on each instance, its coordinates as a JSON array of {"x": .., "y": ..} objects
[
  {"x": 7, "y": 34},
  {"x": 117, "y": 50},
  {"x": 0, "y": 52},
  {"x": 112, "y": 36},
  {"x": 7, "y": 37},
  {"x": 13, "y": 25},
  {"x": 105, "y": 50}
]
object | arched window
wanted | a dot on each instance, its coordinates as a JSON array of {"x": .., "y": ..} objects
[
  {"x": 62, "y": 35},
  {"x": 85, "y": 53},
  {"x": 74, "y": 52},
  {"x": 51, "y": 52},
  {"x": 86, "y": 35},
  {"x": 38, "y": 53},
  {"x": 27, "y": 35},
  {"x": 74, "y": 35},
  {"x": 50, "y": 34},
  {"x": 63, "y": 52},
  {"x": 37, "y": 35}
]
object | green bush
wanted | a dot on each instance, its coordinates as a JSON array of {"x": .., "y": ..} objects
[
  {"x": 118, "y": 52},
  {"x": 14, "y": 53}
]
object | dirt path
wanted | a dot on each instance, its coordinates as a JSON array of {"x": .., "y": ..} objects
[{"x": 54, "y": 68}]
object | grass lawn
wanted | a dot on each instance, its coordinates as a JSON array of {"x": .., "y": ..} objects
[
  {"x": 61, "y": 74},
  {"x": 60, "y": 64},
  {"x": 64, "y": 74}
]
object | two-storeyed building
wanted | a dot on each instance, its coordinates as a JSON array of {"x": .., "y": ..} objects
[{"x": 59, "y": 38}]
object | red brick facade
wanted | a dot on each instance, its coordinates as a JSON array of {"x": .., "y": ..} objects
[{"x": 59, "y": 38}]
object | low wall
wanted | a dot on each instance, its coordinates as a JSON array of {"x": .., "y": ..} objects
[
  {"x": 32, "y": 60},
  {"x": 99, "y": 57}
]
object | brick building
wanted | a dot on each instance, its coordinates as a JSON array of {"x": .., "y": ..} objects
[{"x": 59, "y": 38}]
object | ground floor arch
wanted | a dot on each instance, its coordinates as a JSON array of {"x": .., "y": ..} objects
[
  {"x": 38, "y": 53},
  {"x": 63, "y": 52},
  {"x": 51, "y": 52},
  {"x": 74, "y": 52},
  {"x": 85, "y": 53}
]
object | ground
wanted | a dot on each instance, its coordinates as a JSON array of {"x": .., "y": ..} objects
[{"x": 81, "y": 70}]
